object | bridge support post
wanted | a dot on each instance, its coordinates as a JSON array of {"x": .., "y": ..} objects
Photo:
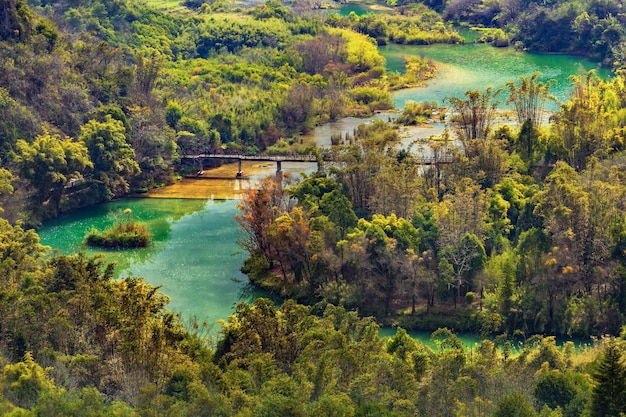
[
  {"x": 279, "y": 168},
  {"x": 239, "y": 171}
]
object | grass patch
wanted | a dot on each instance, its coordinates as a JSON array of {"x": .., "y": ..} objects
[
  {"x": 124, "y": 234},
  {"x": 170, "y": 6}
]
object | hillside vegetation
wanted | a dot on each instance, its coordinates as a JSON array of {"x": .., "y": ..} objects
[{"x": 519, "y": 230}]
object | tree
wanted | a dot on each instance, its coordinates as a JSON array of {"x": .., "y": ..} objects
[
  {"x": 609, "y": 393},
  {"x": 530, "y": 98},
  {"x": 397, "y": 197},
  {"x": 337, "y": 207},
  {"x": 147, "y": 71},
  {"x": 442, "y": 150},
  {"x": 297, "y": 105},
  {"x": 26, "y": 380},
  {"x": 580, "y": 128},
  {"x": 514, "y": 405},
  {"x": 113, "y": 158},
  {"x": 258, "y": 211},
  {"x": 319, "y": 52},
  {"x": 360, "y": 162},
  {"x": 461, "y": 212},
  {"x": 16, "y": 122},
  {"x": 290, "y": 239},
  {"x": 15, "y": 20},
  {"x": 49, "y": 163},
  {"x": 565, "y": 206},
  {"x": 467, "y": 258},
  {"x": 565, "y": 390},
  {"x": 473, "y": 116},
  {"x": 420, "y": 276},
  {"x": 527, "y": 142},
  {"x": 154, "y": 146}
]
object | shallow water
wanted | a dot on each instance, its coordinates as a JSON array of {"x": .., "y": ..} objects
[
  {"x": 478, "y": 66},
  {"x": 461, "y": 68}
]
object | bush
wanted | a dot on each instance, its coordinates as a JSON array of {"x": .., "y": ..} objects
[
  {"x": 373, "y": 97},
  {"x": 126, "y": 233},
  {"x": 416, "y": 113}
]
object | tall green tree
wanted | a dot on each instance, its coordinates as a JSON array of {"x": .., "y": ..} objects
[
  {"x": 514, "y": 405},
  {"x": 337, "y": 207},
  {"x": 527, "y": 142},
  {"x": 581, "y": 128},
  {"x": 113, "y": 158},
  {"x": 49, "y": 163},
  {"x": 609, "y": 393}
]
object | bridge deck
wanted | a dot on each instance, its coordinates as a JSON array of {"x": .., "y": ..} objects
[
  {"x": 274, "y": 158},
  {"x": 290, "y": 158}
]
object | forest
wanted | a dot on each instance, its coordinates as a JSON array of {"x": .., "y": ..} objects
[{"x": 514, "y": 231}]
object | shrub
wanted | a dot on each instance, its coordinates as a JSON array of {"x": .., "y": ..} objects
[
  {"x": 416, "y": 113},
  {"x": 125, "y": 233}
]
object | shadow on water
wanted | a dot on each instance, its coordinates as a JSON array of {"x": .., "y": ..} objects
[{"x": 248, "y": 292}]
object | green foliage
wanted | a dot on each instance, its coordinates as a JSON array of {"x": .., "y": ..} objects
[
  {"x": 125, "y": 233},
  {"x": 337, "y": 207},
  {"x": 417, "y": 71},
  {"x": 50, "y": 163},
  {"x": 473, "y": 116},
  {"x": 609, "y": 392},
  {"x": 16, "y": 20},
  {"x": 147, "y": 83},
  {"x": 26, "y": 381},
  {"x": 567, "y": 391},
  {"x": 514, "y": 404},
  {"x": 232, "y": 35},
  {"x": 496, "y": 37},
  {"x": 16, "y": 122},
  {"x": 416, "y": 113},
  {"x": 530, "y": 98},
  {"x": 416, "y": 26},
  {"x": 113, "y": 158}
]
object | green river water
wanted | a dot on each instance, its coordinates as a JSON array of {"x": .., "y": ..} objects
[
  {"x": 466, "y": 67},
  {"x": 195, "y": 257},
  {"x": 478, "y": 66}
]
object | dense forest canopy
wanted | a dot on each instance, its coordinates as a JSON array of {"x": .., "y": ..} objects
[{"x": 512, "y": 230}]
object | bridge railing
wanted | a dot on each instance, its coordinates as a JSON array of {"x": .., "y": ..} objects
[
  {"x": 259, "y": 157},
  {"x": 294, "y": 157}
]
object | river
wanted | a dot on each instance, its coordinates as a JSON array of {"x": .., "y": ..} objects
[
  {"x": 464, "y": 67},
  {"x": 195, "y": 257}
]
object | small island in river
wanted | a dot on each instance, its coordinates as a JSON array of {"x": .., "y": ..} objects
[{"x": 125, "y": 233}]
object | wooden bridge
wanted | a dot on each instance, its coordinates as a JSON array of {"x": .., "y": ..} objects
[
  {"x": 293, "y": 157},
  {"x": 278, "y": 158}
]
